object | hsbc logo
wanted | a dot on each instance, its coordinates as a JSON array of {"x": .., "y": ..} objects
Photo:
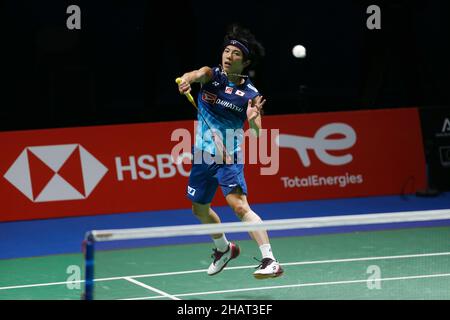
[{"x": 56, "y": 173}]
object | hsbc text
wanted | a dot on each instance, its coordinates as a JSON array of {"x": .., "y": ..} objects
[{"x": 147, "y": 167}]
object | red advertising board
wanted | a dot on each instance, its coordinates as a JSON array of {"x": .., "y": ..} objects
[
  {"x": 129, "y": 168},
  {"x": 344, "y": 154}
]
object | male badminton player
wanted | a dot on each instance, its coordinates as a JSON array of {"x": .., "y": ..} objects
[{"x": 227, "y": 98}]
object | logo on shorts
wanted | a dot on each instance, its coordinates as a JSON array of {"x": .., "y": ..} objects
[
  {"x": 191, "y": 191},
  {"x": 56, "y": 173}
]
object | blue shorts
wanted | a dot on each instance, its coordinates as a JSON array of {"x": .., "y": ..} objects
[{"x": 205, "y": 177}]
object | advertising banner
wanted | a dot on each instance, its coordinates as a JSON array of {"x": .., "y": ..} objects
[
  {"x": 436, "y": 135},
  {"x": 131, "y": 168}
]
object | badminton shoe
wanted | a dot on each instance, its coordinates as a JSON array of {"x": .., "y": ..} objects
[
  {"x": 268, "y": 268},
  {"x": 221, "y": 259}
]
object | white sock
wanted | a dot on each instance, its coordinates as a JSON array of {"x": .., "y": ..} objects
[
  {"x": 221, "y": 243},
  {"x": 266, "y": 251}
]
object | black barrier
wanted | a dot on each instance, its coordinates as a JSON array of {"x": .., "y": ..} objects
[{"x": 435, "y": 122}]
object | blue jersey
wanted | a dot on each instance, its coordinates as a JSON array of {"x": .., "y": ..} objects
[{"x": 224, "y": 106}]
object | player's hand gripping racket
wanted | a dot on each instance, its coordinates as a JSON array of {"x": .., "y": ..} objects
[
  {"x": 187, "y": 94},
  {"x": 217, "y": 141}
]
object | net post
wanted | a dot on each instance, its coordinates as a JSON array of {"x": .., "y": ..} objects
[{"x": 88, "y": 251}]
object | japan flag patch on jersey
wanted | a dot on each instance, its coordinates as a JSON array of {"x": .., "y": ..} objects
[{"x": 240, "y": 93}]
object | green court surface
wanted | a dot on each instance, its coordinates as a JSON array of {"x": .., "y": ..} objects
[{"x": 392, "y": 264}]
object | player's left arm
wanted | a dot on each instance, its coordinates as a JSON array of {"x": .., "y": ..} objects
[{"x": 254, "y": 112}]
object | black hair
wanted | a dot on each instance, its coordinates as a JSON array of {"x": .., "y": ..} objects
[{"x": 243, "y": 35}]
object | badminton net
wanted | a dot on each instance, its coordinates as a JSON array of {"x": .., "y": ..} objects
[{"x": 316, "y": 223}]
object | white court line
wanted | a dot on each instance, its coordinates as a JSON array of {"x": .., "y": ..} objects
[
  {"x": 298, "y": 286},
  {"x": 163, "y": 293},
  {"x": 233, "y": 268}
]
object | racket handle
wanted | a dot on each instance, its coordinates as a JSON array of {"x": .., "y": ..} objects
[{"x": 187, "y": 94}]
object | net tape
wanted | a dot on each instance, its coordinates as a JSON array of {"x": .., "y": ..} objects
[{"x": 280, "y": 224}]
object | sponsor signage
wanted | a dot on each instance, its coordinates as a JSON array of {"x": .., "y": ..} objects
[
  {"x": 436, "y": 134},
  {"x": 344, "y": 154},
  {"x": 130, "y": 168}
]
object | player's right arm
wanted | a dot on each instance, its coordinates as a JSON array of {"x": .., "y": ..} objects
[{"x": 202, "y": 75}]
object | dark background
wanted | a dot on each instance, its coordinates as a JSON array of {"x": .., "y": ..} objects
[{"x": 120, "y": 67}]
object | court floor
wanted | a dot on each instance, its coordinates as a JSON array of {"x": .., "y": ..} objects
[{"x": 408, "y": 263}]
